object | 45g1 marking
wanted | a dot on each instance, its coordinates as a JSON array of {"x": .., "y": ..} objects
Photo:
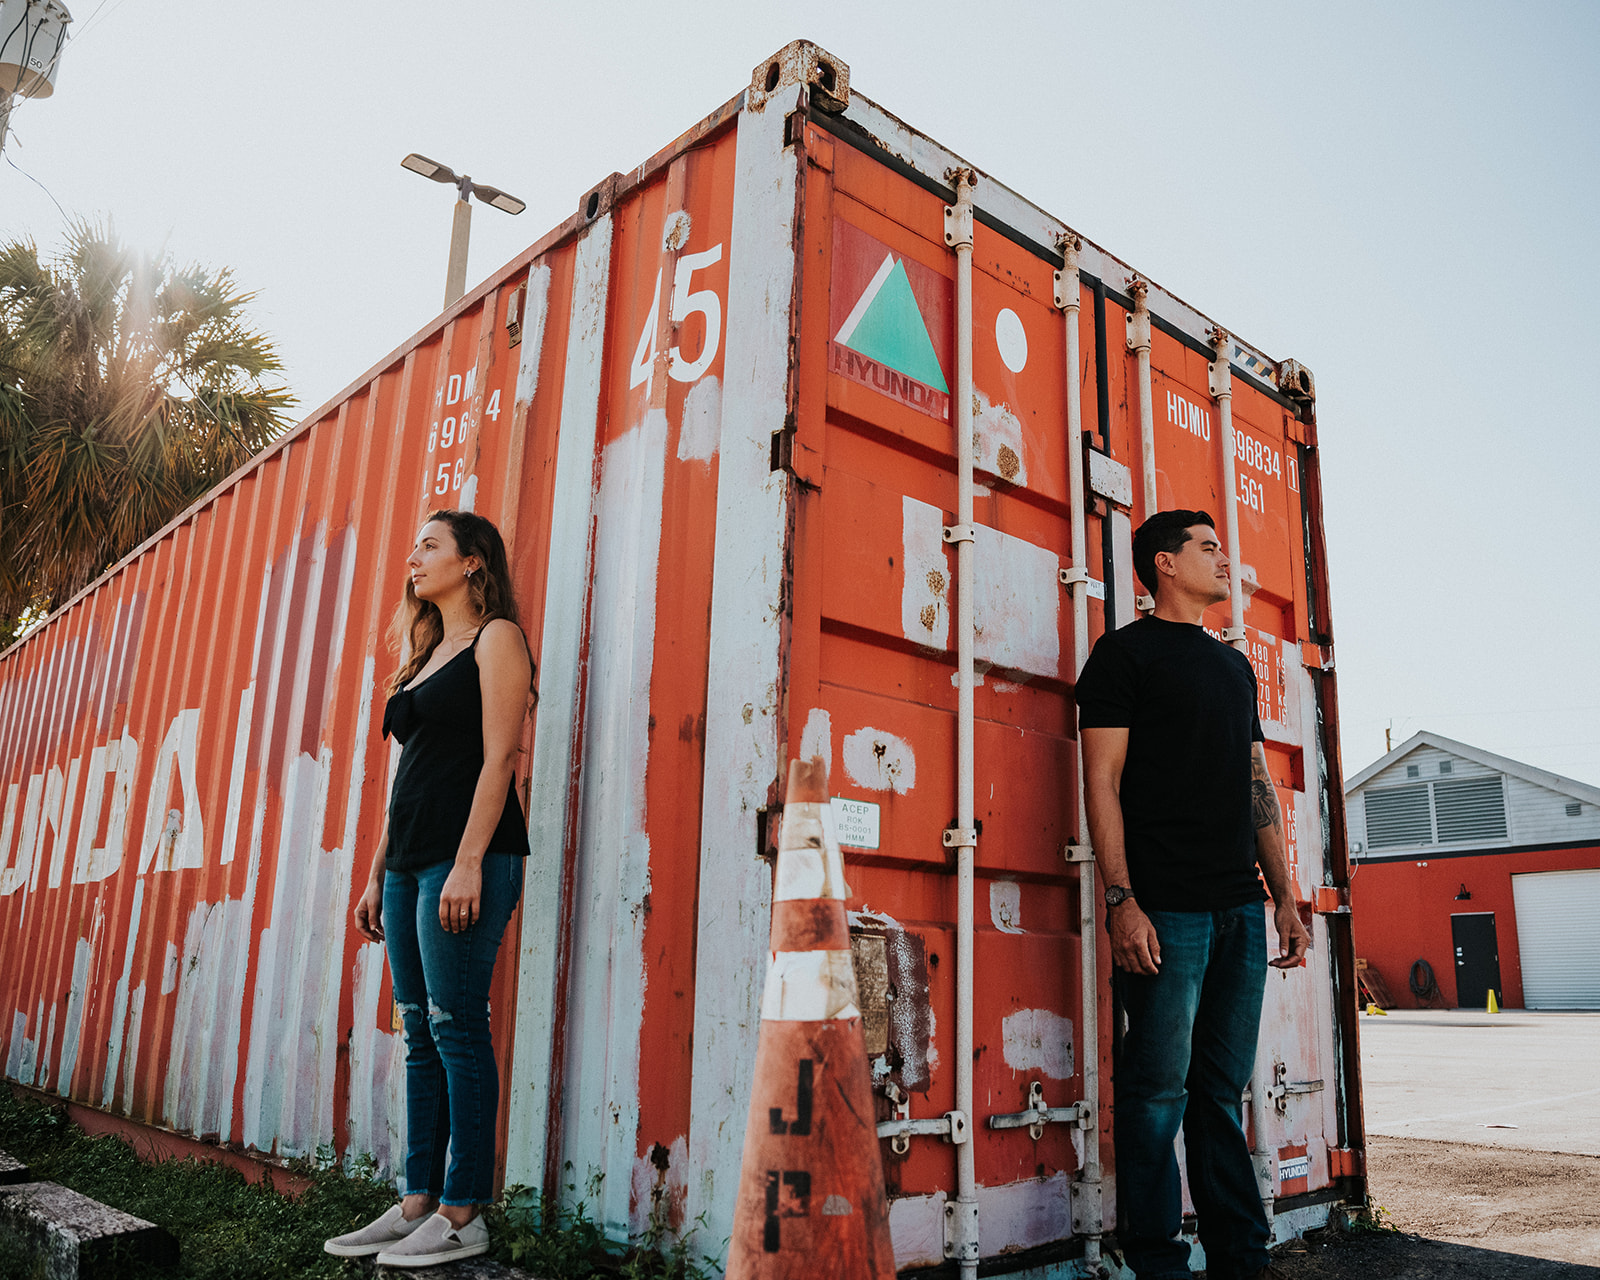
[{"x": 686, "y": 301}]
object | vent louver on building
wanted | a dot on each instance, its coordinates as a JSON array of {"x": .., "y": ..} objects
[
  {"x": 1449, "y": 811},
  {"x": 1470, "y": 809},
  {"x": 1398, "y": 815}
]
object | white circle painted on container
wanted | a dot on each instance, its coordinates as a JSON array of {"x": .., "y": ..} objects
[{"x": 1011, "y": 338}]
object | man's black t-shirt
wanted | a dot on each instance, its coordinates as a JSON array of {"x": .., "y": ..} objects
[{"x": 1188, "y": 702}]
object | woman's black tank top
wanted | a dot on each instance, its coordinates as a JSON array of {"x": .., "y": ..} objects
[{"x": 440, "y": 726}]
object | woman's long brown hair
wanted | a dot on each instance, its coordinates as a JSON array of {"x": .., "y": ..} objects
[{"x": 418, "y": 627}]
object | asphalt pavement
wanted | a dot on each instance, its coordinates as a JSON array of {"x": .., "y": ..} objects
[{"x": 1519, "y": 1079}]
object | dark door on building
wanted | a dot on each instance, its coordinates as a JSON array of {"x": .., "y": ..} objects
[{"x": 1477, "y": 959}]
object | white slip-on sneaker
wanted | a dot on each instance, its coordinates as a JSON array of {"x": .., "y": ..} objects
[
  {"x": 376, "y": 1236},
  {"x": 436, "y": 1241}
]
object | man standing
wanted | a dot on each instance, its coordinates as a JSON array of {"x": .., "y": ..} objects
[{"x": 1182, "y": 811}]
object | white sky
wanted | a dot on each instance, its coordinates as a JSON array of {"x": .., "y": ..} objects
[{"x": 1401, "y": 196}]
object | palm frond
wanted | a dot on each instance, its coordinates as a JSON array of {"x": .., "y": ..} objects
[{"x": 128, "y": 388}]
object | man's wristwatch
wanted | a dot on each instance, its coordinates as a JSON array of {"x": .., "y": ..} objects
[{"x": 1117, "y": 894}]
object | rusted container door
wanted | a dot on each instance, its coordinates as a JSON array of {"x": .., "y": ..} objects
[{"x": 872, "y": 676}]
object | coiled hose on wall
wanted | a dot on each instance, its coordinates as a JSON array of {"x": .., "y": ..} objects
[{"x": 1423, "y": 985}]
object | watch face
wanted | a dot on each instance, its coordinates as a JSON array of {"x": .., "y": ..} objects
[{"x": 1116, "y": 895}]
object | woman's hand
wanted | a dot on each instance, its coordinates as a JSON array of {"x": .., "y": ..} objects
[
  {"x": 369, "y": 912},
  {"x": 458, "y": 900}
]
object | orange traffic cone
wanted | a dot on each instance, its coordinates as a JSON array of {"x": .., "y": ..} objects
[{"x": 811, "y": 1196}]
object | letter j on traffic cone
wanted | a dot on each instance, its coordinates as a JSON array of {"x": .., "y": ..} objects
[{"x": 811, "y": 1194}]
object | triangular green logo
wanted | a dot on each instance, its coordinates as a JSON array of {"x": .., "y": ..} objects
[{"x": 886, "y": 325}]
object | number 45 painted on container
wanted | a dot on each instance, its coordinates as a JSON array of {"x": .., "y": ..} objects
[{"x": 685, "y": 303}]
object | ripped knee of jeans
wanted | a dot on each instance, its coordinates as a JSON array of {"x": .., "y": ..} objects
[
  {"x": 436, "y": 1015},
  {"x": 405, "y": 1010}
]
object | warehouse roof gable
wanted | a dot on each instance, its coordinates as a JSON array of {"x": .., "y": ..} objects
[{"x": 1580, "y": 791}]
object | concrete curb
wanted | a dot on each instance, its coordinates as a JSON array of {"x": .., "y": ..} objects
[
  {"x": 80, "y": 1238},
  {"x": 12, "y": 1171}
]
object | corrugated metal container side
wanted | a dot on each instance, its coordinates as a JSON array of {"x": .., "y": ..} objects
[{"x": 712, "y": 415}]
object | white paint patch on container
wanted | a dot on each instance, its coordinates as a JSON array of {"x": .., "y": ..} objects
[
  {"x": 1038, "y": 1040},
  {"x": 879, "y": 761},
  {"x": 1017, "y": 605},
  {"x": 42, "y": 1081},
  {"x": 656, "y": 1190},
  {"x": 119, "y": 1001},
  {"x": 529, "y": 1106},
  {"x": 1005, "y": 906},
  {"x": 15, "y": 1050},
  {"x": 701, "y": 430},
  {"x": 30, "y": 1049},
  {"x": 169, "y": 970},
  {"x": 997, "y": 440},
  {"x": 209, "y": 990},
  {"x": 535, "y": 310},
  {"x": 130, "y": 1059},
  {"x": 376, "y": 1109},
  {"x": 925, "y": 591},
  {"x": 868, "y": 916},
  {"x": 1011, "y": 339},
  {"x": 817, "y": 738},
  {"x": 1024, "y": 1215},
  {"x": 916, "y": 1225},
  {"x": 72, "y": 1031},
  {"x": 744, "y": 749},
  {"x": 611, "y": 885}
]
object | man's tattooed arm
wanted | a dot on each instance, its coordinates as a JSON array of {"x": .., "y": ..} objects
[{"x": 1264, "y": 796}]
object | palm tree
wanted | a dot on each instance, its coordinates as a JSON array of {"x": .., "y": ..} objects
[{"x": 129, "y": 386}]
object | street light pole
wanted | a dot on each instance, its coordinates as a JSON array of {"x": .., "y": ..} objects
[{"x": 455, "y": 281}]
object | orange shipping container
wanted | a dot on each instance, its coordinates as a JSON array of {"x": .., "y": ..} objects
[{"x": 715, "y": 414}]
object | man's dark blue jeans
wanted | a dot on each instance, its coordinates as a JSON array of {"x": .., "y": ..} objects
[{"x": 1186, "y": 1059}]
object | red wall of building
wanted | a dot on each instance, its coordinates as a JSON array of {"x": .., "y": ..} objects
[{"x": 1400, "y": 913}]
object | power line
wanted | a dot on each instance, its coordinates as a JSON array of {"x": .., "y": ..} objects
[{"x": 40, "y": 185}]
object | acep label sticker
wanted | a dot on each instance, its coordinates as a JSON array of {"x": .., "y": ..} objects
[{"x": 855, "y": 822}]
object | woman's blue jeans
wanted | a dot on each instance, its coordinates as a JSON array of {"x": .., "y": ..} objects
[
  {"x": 1186, "y": 1059},
  {"x": 441, "y": 985}
]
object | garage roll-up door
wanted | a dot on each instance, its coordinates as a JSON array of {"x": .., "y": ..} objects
[{"x": 1558, "y": 938}]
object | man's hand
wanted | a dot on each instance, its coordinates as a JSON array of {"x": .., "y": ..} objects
[
  {"x": 1134, "y": 945},
  {"x": 1293, "y": 940}
]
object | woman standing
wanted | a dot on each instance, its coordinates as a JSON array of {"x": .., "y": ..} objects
[{"x": 446, "y": 877}]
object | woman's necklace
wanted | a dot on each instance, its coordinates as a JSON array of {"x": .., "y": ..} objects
[{"x": 460, "y": 641}]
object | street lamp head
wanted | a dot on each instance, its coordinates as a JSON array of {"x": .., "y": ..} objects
[
  {"x": 429, "y": 168},
  {"x": 499, "y": 199},
  {"x": 456, "y": 276}
]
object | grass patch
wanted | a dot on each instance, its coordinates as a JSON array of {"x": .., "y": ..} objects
[
  {"x": 1370, "y": 1217},
  {"x": 227, "y": 1227},
  {"x": 556, "y": 1238}
]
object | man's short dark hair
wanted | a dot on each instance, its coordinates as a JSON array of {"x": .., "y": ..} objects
[{"x": 1164, "y": 531}]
